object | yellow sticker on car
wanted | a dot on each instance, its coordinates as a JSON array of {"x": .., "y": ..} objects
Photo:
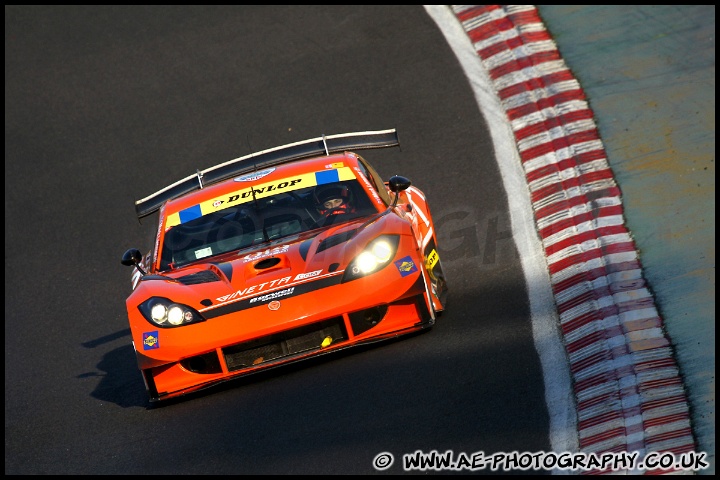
[
  {"x": 261, "y": 191},
  {"x": 431, "y": 260}
]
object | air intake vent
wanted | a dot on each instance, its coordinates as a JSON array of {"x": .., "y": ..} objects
[
  {"x": 364, "y": 320},
  {"x": 206, "y": 276},
  {"x": 335, "y": 240},
  {"x": 207, "y": 363},
  {"x": 267, "y": 263}
]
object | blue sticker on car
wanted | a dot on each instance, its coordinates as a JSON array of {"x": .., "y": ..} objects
[
  {"x": 190, "y": 214},
  {"x": 406, "y": 266},
  {"x": 151, "y": 340},
  {"x": 328, "y": 176}
]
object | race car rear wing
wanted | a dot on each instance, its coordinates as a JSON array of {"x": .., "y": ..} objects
[{"x": 266, "y": 158}]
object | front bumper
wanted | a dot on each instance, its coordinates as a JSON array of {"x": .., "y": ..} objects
[{"x": 246, "y": 341}]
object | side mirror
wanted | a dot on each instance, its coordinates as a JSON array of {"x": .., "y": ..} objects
[
  {"x": 131, "y": 258},
  {"x": 397, "y": 184}
]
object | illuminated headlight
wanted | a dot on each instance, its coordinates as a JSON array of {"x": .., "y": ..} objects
[
  {"x": 164, "y": 313},
  {"x": 366, "y": 262},
  {"x": 175, "y": 315},
  {"x": 374, "y": 257},
  {"x": 158, "y": 313},
  {"x": 382, "y": 250}
]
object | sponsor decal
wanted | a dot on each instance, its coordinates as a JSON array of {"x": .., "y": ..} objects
[
  {"x": 255, "y": 175},
  {"x": 335, "y": 165},
  {"x": 239, "y": 303},
  {"x": 268, "y": 189},
  {"x": 266, "y": 253},
  {"x": 274, "y": 305},
  {"x": 235, "y": 198},
  {"x": 369, "y": 186},
  {"x": 406, "y": 266},
  {"x": 255, "y": 289},
  {"x": 273, "y": 295},
  {"x": 151, "y": 341},
  {"x": 432, "y": 259},
  {"x": 302, "y": 276}
]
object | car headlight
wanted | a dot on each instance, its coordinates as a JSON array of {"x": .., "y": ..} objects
[
  {"x": 165, "y": 313},
  {"x": 374, "y": 257}
]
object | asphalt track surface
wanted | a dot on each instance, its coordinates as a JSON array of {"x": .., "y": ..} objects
[{"x": 105, "y": 105}]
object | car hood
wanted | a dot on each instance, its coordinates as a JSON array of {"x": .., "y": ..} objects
[{"x": 281, "y": 264}]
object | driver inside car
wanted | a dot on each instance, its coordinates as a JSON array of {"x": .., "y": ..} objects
[{"x": 333, "y": 199}]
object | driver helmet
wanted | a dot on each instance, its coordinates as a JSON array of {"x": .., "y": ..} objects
[{"x": 332, "y": 198}]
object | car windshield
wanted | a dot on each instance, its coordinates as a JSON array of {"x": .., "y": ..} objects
[{"x": 261, "y": 220}]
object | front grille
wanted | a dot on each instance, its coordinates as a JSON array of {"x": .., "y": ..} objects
[{"x": 285, "y": 344}]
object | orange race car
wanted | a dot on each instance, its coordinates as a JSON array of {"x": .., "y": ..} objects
[{"x": 279, "y": 256}]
